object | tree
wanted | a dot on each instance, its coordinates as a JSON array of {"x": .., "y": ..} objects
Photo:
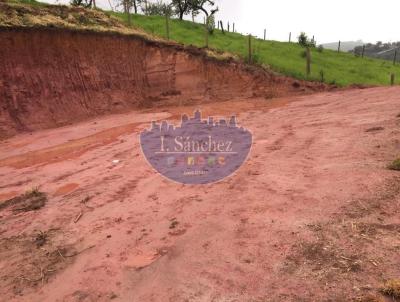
[
  {"x": 127, "y": 6},
  {"x": 83, "y": 3},
  {"x": 181, "y": 7},
  {"x": 200, "y": 5},
  {"x": 195, "y": 6},
  {"x": 136, "y": 4},
  {"x": 304, "y": 41},
  {"x": 145, "y": 7},
  {"x": 157, "y": 8},
  {"x": 211, "y": 24}
]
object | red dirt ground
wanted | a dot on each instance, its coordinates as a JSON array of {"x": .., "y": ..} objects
[{"x": 313, "y": 215}]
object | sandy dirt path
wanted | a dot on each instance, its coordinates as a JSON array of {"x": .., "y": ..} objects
[{"x": 312, "y": 215}]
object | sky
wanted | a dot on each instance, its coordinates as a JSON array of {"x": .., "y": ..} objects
[{"x": 328, "y": 21}]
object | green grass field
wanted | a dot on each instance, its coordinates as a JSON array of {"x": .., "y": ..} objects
[{"x": 341, "y": 69}]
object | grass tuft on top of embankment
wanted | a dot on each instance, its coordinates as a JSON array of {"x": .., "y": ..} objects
[{"x": 29, "y": 13}]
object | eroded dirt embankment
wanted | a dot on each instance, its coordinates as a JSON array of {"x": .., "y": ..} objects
[{"x": 52, "y": 77}]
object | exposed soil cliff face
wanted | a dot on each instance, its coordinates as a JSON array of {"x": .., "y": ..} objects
[{"x": 52, "y": 77}]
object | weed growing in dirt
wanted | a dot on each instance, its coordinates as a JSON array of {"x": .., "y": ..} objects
[
  {"x": 395, "y": 165},
  {"x": 392, "y": 288},
  {"x": 374, "y": 129},
  {"x": 33, "y": 192},
  {"x": 40, "y": 238},
  {"x": 174, "y": 223},
  {"x": 29, "y": 201},
  {"x": 85, "y": 200},
  {"x": 32, "y": 259}
]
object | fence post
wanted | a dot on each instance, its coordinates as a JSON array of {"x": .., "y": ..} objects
[
  {"x": 392, "y": 79},
  {"x": 265, "y": 34},
  {"x": 363, "y": 49},
  {"x": 229, "y": 27},
  {"x": 146, "y": 8},
  {"x": 338, "y": 49},
  {"x": 167, "y": 25},
  {"x": 129, "y": 15},
  {"x": 222, "y": 27},
  {"x": 206, "y": 32},
  {"x": 290, "y": 37},
  {"x": 233, "y": 27},
  {"x": 394, "y": 58},
  {"x": 250, "y": 59},
  {"x": 308, "y": 59},
  {"x": 322, "y": 75}
]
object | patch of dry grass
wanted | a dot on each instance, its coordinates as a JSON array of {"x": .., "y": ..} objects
[
  {"x": 29, "y": 201},
  {"x": 221, "y": 55},
  {"x": 30, "y": 260},
  {"x": 14, "y": 14},
  {"x": 395, "y": 165},
  {"x": 391, "y": 288},
  {"x": 370, "y": 298}
]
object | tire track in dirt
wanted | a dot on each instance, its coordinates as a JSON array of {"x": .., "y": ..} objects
[{"x": 69, "y": 150}]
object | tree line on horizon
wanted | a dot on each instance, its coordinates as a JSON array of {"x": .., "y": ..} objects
[
  {"x": 379, "y": 50},
  {"x": 178, "y": 8}
]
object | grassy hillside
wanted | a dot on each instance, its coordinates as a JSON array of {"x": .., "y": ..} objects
[{"x": 339, "y": 68}]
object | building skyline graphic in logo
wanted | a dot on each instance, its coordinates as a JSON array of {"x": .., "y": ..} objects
[{"x": 198, "y": 151}]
